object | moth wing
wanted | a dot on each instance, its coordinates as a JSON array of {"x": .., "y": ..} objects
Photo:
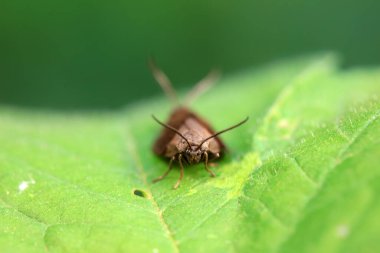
[
  {"x": 201, "y": 132},
  {"x": 176, "y": 144},
  {"x": 176, "y": 120},
  {"x": 216, "y": 145}
]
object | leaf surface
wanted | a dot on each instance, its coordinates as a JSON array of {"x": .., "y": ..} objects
[{"x": 301, "y": 175}]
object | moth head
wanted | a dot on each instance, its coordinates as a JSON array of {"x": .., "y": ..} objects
[{"x": 193, "y": 154}]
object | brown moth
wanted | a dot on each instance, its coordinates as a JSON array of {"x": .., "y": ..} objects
[{"x": 186, "y": 137}]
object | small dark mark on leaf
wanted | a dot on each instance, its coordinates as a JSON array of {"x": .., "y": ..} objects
[{"x": 140, "y": 193}]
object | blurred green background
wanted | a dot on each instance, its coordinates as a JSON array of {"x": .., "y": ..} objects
[{"x": 92, "y": 54}]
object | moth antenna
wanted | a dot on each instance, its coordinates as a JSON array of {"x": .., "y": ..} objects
[
  {"x": 202, "y": 86},
  {"x": 171, "y": 128},
  {"x": 223, "y": 131},
  {"x": 163, "y": 80}
]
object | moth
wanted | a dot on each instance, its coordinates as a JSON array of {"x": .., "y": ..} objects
[{"x": 186, "y": 137}]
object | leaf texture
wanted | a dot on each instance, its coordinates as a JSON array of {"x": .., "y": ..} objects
[{"x": 301, "y": 175}]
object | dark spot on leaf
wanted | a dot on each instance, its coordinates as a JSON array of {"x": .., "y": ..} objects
[{"x": 140, "y": 193}]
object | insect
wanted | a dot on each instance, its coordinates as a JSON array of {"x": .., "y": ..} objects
[{"x": 186, "y": 137}]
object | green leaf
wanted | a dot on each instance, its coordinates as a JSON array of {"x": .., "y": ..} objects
[{"x": 301, "y": 176}]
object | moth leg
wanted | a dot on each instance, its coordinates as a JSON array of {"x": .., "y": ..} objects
[
  {"x": 166, "y": 172},
  {"x": 181, "y": 172},
  {"x": 206, "y": 165}
]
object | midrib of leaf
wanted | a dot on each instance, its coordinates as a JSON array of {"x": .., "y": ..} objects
[{"x": 131, "y": 145}]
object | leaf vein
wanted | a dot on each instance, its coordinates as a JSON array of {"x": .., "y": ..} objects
[
  {"x": 204, "y": 220},
  {"x": 338, "y": 160},
  {"x": 302, "y": 171},
  {"x": 131, "y": 146},
  {"x": 30, "y": 217}
]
